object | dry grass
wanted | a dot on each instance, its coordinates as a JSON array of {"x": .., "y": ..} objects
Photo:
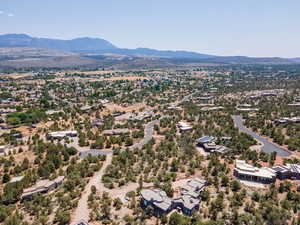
[
  {"x": 110, "y": 107},
  {"x": 130, "y": 78},
  {"x": 18, "y": 75}
]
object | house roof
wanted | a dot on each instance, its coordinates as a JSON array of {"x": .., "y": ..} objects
[
  {"x": 116, "y": 131},
  {"x": 187, "y": 201},
  {"x": 205, "y": 139},
  {"x": 42, "y": 185},
  {"x": 158, "y": 197},
  {"x": 16, "y": 179},
  {"x": 293, "y": 168},
  {"x": 280, "y": 169},
  {"x": 242, "y": 167}
]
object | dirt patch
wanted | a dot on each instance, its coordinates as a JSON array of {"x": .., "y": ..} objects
[
  {"x": 111, "y": 107},
  {"x": 21, "y": 156},
  {"x": 18, "y": 75}
]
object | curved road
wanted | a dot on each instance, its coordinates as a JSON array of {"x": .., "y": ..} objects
[
  {"x": 149, "y": 127},
  {"x": 268, "y": 146},
  {"x": 82, "y": 211}
]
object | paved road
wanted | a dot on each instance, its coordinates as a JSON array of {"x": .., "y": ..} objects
[
  {"x": 268, "y": 146},
  {"x": 82, "y": 211},
  {"x": 184, "y": 99},
  {"x": 149, "y": 127}
]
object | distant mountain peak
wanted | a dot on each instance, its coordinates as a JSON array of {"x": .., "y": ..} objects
[
  {"x": 77, "y": 44},
  {"x": 15, "y": 36}
]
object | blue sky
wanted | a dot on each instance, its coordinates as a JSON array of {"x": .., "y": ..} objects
[{"x": 221, "y": 27}]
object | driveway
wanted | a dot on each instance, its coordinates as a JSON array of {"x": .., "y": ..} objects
[{"x": 82, "y": 211}]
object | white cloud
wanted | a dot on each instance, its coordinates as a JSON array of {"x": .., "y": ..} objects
[
  {"x": 10, "y": 14},
  {"x": 1, "y": 12}
]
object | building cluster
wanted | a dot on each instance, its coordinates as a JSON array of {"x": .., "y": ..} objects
[
  {"x": 187, "y": 202},
  {"x": 42, "y": 186}
]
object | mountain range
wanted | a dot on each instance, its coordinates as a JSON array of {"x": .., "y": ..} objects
[
  {"x": 88, "y": 45},
  {"x": 14, "y": 48}
]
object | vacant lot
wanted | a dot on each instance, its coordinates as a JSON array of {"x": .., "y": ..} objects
[{"x": 111, "y": 107}]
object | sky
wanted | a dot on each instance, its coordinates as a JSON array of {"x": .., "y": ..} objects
[{"x": 260, "y": 28}]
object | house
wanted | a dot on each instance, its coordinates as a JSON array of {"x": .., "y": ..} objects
[
  {"x": 104, "y": 101},
  {"x": 184, "y": 126},
  {"x": 115, "y": 132},
  {"x": 283, "y": 120},
  {"x": 82, "y": 222},
  {"x": 187, "y": 201},
  {"x": 51, "y": 112},
  {"x": 187, "y": 204},
  {"x": 289, "y": 171},
  {"x": 294, "y": 170},
  {"x": 86, "y": 108},
  {"x": 294, "y": 104},
  {"x": 124, "y": 117},
  {"x": 2, "y": 148},
  {"x": 175, "y": 108},
  {"x": 157, "y": 198},
  {"x": 282, "y": 172},
  {"x": 97, "y": 122},
  {"x": 205, "y": 139},
  {"x": 115, "y": 114},
  {"x": 16, "y": 179},
  {"x": 246, "y": 171},
  {"x": 212, "y": 108},
  {"x": 193, "y": 187},
  {"x": 62, "y": 134},
  {"x": 212, "y": 147},
  {"x": 42, "y": 186},
  {"x": 205, "y": 98},
  {"x": 267, "y": 94},
  {"x": 247, "y": 109}
]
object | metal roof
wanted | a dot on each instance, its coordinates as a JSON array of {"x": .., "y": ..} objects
[{"x": 205, "y": 139}]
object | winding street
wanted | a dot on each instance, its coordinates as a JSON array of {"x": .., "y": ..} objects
[{"x": 268, "y": 147}]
